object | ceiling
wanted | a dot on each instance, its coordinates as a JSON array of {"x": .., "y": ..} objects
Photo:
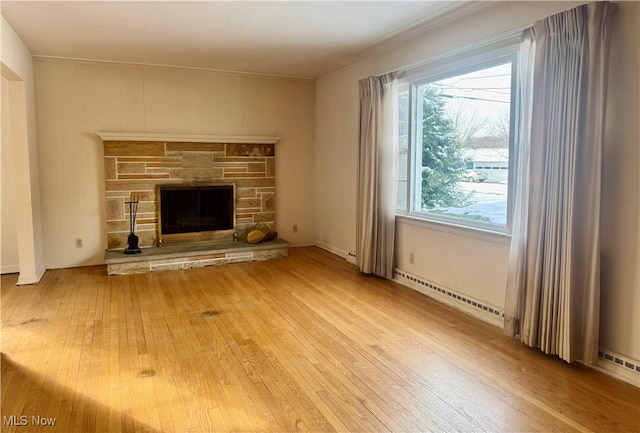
[{"x": 293, "y": 38}]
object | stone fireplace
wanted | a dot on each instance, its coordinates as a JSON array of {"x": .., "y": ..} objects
[
  {"x": 142, "y": 164},
  {"x": 140, "y": 167}
]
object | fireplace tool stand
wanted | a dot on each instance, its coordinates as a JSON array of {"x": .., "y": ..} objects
[{"x": 132, "y": 239}]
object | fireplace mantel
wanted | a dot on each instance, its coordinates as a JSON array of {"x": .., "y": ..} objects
[{"x": 173, "y": 138}]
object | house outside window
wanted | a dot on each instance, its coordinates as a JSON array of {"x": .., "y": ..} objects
[{"x": 455, "y": 123}]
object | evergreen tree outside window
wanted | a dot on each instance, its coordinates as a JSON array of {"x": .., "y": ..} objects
[{"x": 442, "y": 161}]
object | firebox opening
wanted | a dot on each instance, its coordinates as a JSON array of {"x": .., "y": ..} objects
[{"x": 193, "y": 209}]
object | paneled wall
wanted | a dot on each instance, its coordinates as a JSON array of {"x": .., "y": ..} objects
[
  {"x": 8, "y": 230},
  {"x": 76, "y": 99},
  {"x": 18, "y": 70}
]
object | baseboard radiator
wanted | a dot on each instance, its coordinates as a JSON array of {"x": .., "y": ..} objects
[
  {"x": 610, "y": 362},
  {"x": 622, "y": 367},
  {"x": 480, "y": 309}
]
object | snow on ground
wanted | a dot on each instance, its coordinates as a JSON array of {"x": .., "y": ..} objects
[
  {"x": 485, "y": 191},
  {"x": 490, "y": 203}
]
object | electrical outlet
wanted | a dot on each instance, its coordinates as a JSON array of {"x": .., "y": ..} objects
[
  {"x": 411, "y": 258},
  {"x": 79, "y": 243},
  {"x": 295, "y": 228}
]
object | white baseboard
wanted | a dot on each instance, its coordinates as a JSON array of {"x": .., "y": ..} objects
[
  {"x": 477, "y": 308},
  {"x": 349, "y": 256},
  {"x": 337, "y": 251},
  {"x": 9, "y": 269},
  {"x": 31, "y": 278}
]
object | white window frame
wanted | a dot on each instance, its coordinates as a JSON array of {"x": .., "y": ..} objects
[{"x": 459, "y": 64}]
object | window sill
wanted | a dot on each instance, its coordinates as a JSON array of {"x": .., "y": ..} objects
[{"x": 456, "y": 229}]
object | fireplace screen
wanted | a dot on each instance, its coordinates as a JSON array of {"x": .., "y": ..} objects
[{"x": 196, "y": 210}]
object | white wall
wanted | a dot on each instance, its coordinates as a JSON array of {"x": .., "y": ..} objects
[
  {"x": 8, "y": 231},
  {"x": 477, "y": 265},
  {"x": 620, "y": 308},
  {"x": 76, "y": 99},
  {"x": 17, "y": 68},
  {"x": 337, "y": 141}
]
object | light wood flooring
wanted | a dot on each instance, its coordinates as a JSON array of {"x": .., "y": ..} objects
[{"x": 305, "y": 343}]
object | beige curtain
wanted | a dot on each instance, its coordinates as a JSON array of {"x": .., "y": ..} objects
[
  {"x": 557, "y": 292},
  {"x": 376, "y": 195},
  {"x": 520, "y": 171}
]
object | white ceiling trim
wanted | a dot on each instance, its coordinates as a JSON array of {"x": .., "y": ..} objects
[
  {"x": 160, "y": 66},
  {"x": 295, "y": 39},
  {"x": 446, "y": 16}
]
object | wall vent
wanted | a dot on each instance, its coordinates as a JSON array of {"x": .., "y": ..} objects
[
  {"x": 351, "y": 257},
  {"x": 456, "y": 297},
  {"x": 619, "y": 366},
  {"x": 629, "y": 364}
]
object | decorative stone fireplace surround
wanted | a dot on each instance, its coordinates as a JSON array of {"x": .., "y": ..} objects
[{"x": 138, "y": 163}]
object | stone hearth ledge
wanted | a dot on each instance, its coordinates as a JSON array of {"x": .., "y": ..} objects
[{"x": 196, "y": 255}]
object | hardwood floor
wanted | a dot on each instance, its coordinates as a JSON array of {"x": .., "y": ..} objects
[{"x": 300, "y": 344}]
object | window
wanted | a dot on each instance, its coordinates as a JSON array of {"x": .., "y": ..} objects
[{"x": 455, "y": 121}]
